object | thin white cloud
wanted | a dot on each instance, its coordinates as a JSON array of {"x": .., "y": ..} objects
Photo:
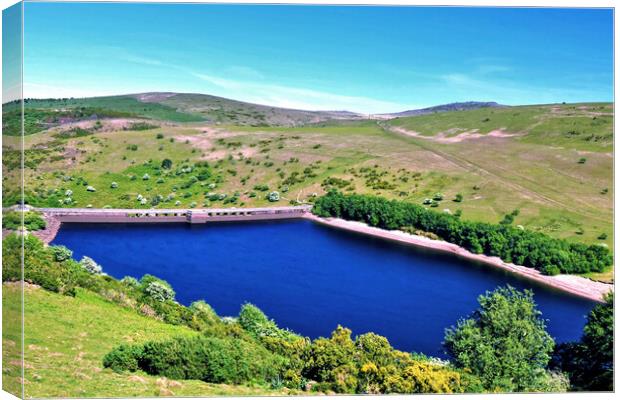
[
  {"x": 507, "y": 91},
  {"x": 241, "y": 82},
  {"x": 300, "y": 98}
]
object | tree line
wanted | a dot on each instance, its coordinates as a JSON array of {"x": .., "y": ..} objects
[{"x": 536, "y": 250}]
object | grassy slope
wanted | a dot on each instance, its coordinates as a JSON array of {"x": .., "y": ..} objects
[
  {"x": 40, "y": 114},
  {"x": 531, "y": 172},
  {"x": 66, "y": 339},
  {"x": 222, "y": 110},
  {"x": 583, "y": 126}
]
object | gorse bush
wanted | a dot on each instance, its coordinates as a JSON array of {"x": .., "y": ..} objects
[
  {"x": 511, "y": 244},
  {"x": 369, "y": 364}
]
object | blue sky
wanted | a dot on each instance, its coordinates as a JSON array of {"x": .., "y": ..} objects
[{"x": 366, "y": 59}]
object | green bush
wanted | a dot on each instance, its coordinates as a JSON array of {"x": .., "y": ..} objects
[
  {"x": 90, "y": 265},
  {"x": 33, "y": 221},
  {"x": 156, "y": 289},
  {"x": 215, "y": 360},
  {"x": 40, "y": 266},
  {"x": 254, "y": 321},
  {"x": 123, "y": 358},
  {"x": 61, "y": 253}
]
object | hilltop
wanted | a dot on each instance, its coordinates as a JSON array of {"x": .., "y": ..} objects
[
  {"x": 462, "y": 106},
  {"x": 43, "y": 114}
]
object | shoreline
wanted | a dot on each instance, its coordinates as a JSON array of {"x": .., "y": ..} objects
[
  {"x": 52, "y": 226},
  {"x": 573, "y": 284}
]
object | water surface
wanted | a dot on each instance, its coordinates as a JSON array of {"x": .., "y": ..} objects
[{"x": 310, "y": 278}]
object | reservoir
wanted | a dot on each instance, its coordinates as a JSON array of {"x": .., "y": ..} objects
[{"x": 311, "y": 278}]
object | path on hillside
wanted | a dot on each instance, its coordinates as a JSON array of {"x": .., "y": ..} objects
[{"x": 482, "y": 171}]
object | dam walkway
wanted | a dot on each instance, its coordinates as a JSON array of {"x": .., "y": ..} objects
[{"x": 192, "y": 216}]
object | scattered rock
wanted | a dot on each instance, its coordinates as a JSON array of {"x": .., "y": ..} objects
[{"x": 136, "y": 378}]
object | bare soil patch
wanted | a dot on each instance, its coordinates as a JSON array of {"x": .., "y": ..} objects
[{"x": 450, "y": 136}]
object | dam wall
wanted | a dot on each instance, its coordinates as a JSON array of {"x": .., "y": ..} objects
[{"x": 192, "y": 216}]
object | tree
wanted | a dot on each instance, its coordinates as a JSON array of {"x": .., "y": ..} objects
[
  {"x": 504, "y": 342},
  {"x": 166, "y": 163},
  {"x": 590, "y": 362}
]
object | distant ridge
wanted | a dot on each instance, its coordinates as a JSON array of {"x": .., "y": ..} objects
[
  {"x": 196, "y": 107},
  {"x": 460, "y": 106}
]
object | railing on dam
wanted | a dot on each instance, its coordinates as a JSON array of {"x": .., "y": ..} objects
[{"x": 201, "y": 215}]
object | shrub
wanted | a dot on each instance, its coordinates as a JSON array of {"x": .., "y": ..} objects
[
  {"x": 254, "y": 321},
  {"x": 156, "y": 289},
  {"x": 113, "y": 185},
  {"x": 160, "y": 136},
  {"x": 130, "y": 281},
  {"x": 90, "y": 265},
  {"x": 146, "y": 177},
  {"x": 33, "y": 221},
  {"x": 166, "y": 163},
  {"x": 61, "y": 253},
  {"x": 550, "y": 270},
  {"x": 40, "y": 266},
  {"x": 458, "y": 198},
  {"x": 204, "y": 309},
  {"x": 210, "y": 359},
  {"x": 123, "y": 358},
  {"x": 273, "y": 196}
]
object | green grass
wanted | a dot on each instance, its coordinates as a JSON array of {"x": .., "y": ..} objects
[
  {"x": 66, "y": 339},
  {"x": 41, "y": 114},
  {"x": 581, "y": 126}
]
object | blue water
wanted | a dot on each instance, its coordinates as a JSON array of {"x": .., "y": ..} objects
[{"x": 310, "y": 278}]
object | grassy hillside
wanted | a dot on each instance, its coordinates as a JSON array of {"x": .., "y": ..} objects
[
  {"x": 226, "y": 111},
  {"x": 46, "y": 113},
  {"x": 67, "y": 337},
  {"x": 583, "y": 126}
]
